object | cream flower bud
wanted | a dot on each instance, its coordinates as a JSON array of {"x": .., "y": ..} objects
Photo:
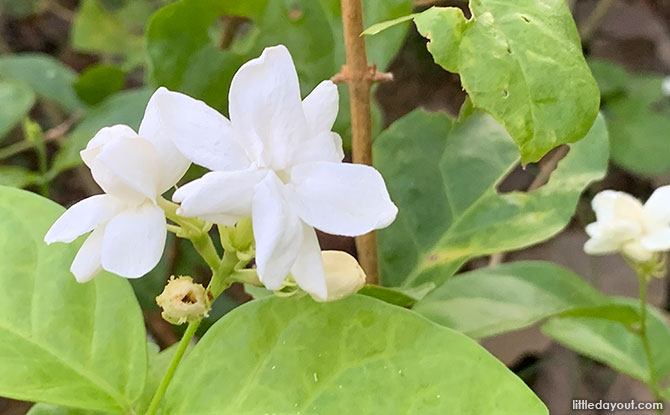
[
  {"x": 344, "y": 276},
  {"x": 183, "y": 301}
]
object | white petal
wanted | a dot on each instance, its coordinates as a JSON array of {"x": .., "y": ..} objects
[
  {"x": 83, "y": 217},
  {"x": 178, "y": 124},
  {"x": 636, "y": 251},
  {"x": 134, "y": 241},
  {"x": 227, "y": 194},
  {"x": 596, "y": 246},
  {"x": 86, "y": 264},
  {"x": 128, "y": 167},
  {"x": 265, "y": 106},
  {"x": 326, "y": 146},
  {"x": 103, "y": 137},
  {"x": 658, "y": 205},
  {"x": 610, "y": 206},
  {"x": 308, "y": 269},
  {"x": 342, "y": 199},
  {"x": 321, "y": 107},
  {"x": 593, "y": 229},
  {"x": 277, "y": 231},
  {"x": 658, "y": 240}
]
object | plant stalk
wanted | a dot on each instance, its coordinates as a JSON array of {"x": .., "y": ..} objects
[
  {"x": 653, "y": 378},
  {"x": 357, "y": 76},
  {"x": 181, "y": 348}
]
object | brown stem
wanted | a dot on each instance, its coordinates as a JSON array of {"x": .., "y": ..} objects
[{"x": 356, "y": 74}]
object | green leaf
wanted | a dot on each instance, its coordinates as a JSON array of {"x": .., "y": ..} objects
[
  {"x": 295, "y": 356},
  {"x": 388, "y": 295},
  {"x": 522, "y": 62},
  {"x": 638, "y": 116},
  {"x": 494, "y": 300},
  {"x": 624, "y": 314},
  {"x": 47, "y": 409},
  {"x": 47, "y": 76},
  {"x": 380, "y": 27},
  {"x": 443, "y": 174},
  {"x": 613, "y": 343},
  {"x": 16, "y": 176},
  {"x": 125, "y": 107},
  {"x": 97, "y": 30},
  {"x": 79, "y": 345},
  {"x": 98, "y": 82},
  {"x": 18, "y": 99},
  {"x": 184, "y": 56}
]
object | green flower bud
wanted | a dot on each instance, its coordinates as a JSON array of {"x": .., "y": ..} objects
[{"x": 184, "y": 301}]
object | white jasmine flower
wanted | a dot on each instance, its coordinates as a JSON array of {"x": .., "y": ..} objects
[
  {"x": 344, "y": 276},
  {"x": 278, "y": 161},
  {"x": 665, "y": 86},
  {"x": 133, "y": 169},
  {"x": 625, "y": 225}
]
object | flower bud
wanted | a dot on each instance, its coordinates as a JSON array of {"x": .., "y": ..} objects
[
  {"x": 344, "y": 276},
  {"x": 183, "y": 301}
]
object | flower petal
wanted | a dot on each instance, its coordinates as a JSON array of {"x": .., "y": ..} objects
[
  {"x": 277, "y": 231},
  {"x": 326, "y": 146},
  {"x": 178, "y": 124},
  {"x": 610, "y": 205},
  {"x": 266, "y": 108},
  {"x": 221, "y": 195},
  {"x": 342, "y": 199},
  {"x": 128, "y": 166},
  {"x": 321, "y": 106},
  {"x": 103, "y": 137},
  {"x": 308, "y": 269},
  {"x": 599, "y": 246},
  {"x": 86, "y": 264},
  {"x": 658, "y": 240},
  {"x": 134, "y": 241},
  {"x": 83, "y": 217},
  {"x": 636, "y": 251},
  {"x": 658, "y": 205}
]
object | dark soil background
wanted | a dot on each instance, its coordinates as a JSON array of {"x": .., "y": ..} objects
[{"x": 633, "y": 33}]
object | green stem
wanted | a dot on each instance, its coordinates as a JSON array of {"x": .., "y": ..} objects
[
  {"x": 181, "y": 348},
  {"x": 220, "y": 280},
  {"x": 594, "y": 19},
  {"x": 14, "y": 149},
  {"x": 205, "y": 247},
  {"x": 653, "y": 378}
]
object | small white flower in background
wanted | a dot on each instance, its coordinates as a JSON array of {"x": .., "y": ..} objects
[
  {"x": 344, "y": 276},
  {"x": 278, "y": 161},
  {"x": 133, "y": 169},
  {"x": 665, "y": 87},
  {"x": 624, "y": 225}
]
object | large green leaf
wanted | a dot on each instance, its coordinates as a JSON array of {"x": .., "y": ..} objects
[
  {"x": 79, "y": 345},
  {"x": 495, "y": 300},
  {"x": 638, "y": 116},
  {"x": 125, "y": 107},
  {"x": 47, "y": 76},
  {"x": 183, "y": 55},
  {"x": 442, "y": 174},
  {"x": 615, "y": 344},
  {"x": 520, "y": 60},
  {"x": 18, "y": 99},
  {"x": 295, "y": 355},
  {"x": 98, "y": 30}
]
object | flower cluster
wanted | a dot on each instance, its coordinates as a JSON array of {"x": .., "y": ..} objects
[
  {"x": 623, "y": 224},
  {"x": 275, "y": 160}
]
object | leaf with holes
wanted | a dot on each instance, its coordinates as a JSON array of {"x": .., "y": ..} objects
[
  {"x": 294, "y": 355},
  {"x": 520, "y": 60},
  {"x": 444, "y": 184},
  {"x": 65, "y": 343}
]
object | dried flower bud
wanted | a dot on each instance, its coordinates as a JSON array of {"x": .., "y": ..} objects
[
  {"x": 344, "y": 276},
  {"x": 183, "y": 301}
]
